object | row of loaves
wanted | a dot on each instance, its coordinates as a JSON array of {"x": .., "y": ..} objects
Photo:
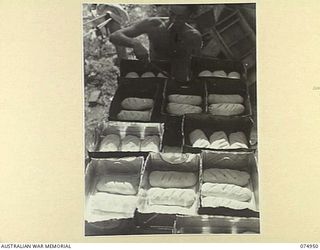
[
  {"x": 136, "y": 109},
  {"x": 218, "y": 140},
  {"x": 225, "y": 188},
  {"x": 130, "y": 143}
]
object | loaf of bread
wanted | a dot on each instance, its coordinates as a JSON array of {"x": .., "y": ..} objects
[
  {"x": 227, "y": 176},
  {"x": 130, "y": 143},
  {"x": 148, "y": 74},
  {"x": 119, "y": 184},
  {"x": 234, "y": 75},
  {"x": 175, "y": 161},
  {"x": 110, "y": 143},
  {"x": 214, "y": 98},
  {"x": 112, "y": 203},
  {"x": 181, "y": 109},
  {"x": 224, "y": 202},
  {"x": 229, "y": 191},
  {"x": 238, "y": 140},
  {"x": 132, "y": 75},
  {"x": 219, "y": 140},
  {"x": 123, "y": 165},
  {"x": 171, "y": 197},
  {"x": 150, "y": 144},
  {"x": 172, "y": 179},
  {"x": 185, "y": 99},
  {"x": 135, "y": 103},
  {"x": 226, "y": 109},
  {"x": 128, "y": 115},
  {"x": 205, "y": 73},
  {"x": 161, "y": 75},
  {"x": 219, "y": 73},
  {"x": 198, "y": 139}
]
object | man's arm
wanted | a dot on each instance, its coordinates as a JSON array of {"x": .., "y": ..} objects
[{"x": 126, "y": 36}]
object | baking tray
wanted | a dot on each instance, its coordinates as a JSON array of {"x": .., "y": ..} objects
[
  {"x": 199, "y": 64},
  {"x": 140, "y": 67},
  {"x": 109, "y": 224},
  {"x": 151, "y": 88},
  {"x": 244, "y": 161},
  {"x": 122, "y": 129},
  {"x": 209, "y": 124},
  {"x": 229, "y": 87},
  {"x": 194, "y": 87},
  {"x": 164, "y": 216}
]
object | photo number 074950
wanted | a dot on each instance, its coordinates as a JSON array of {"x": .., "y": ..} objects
[{"x": 170, "y": 119}]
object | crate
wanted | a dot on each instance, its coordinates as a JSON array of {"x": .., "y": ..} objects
[
  {"x": 141, "y": 130},
  {"x": 209, "y": 124},
  {"x": 230, "y": 87},
  {"x": 97, "y": 223},
  {"x": 158, "y": 216},
  {"x": 151, "y": 88},
  {"x": 244, "y": 161}
]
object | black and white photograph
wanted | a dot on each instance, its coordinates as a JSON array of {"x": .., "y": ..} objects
[{"x": 170, "y": 108}]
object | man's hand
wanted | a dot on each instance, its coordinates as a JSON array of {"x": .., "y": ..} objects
[{"x": 141, "y": 52}]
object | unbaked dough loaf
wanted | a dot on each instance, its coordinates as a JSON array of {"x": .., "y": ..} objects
[
  {"x": 213, "y": 98},
  {"x": 171, "y": 197},
  {"x": 134, "y": 115},
  {"x": 205, "y": 73},
  {"x": 150, "y": 144},
  {"x": 110, "y": 143},
  {"x": 132, "y": 75},
  {"x": 227, "y": 176},
  {"x": 181, "y": 109},
  {"x": 130, "y": 143},
  {"x": 119, "y": 184},
  {"x": 234, "y": 75},
  {"x": 219, "y": 73},
  {"x": 224, "y": 202},
  {"x": 238, "y": 140},
  {"x": 172, "y": 179},
  {"x": 219, "y": 140},
  {"x": 185, "y": 99},
  {"x": 112, "y": 203},
  {"x": 134, "y": 103},
  {"x": 198, "y": 139},
  {"x": 226, "y": 109},
  {"x": 147, "y": 74},
  {"x": 229, "y": 191}
]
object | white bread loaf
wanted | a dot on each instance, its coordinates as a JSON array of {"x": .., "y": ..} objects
[
  {"x": 171, "y": 197},
  {"x": 130, "y": 143},
  {"x": 147, "y": 74},
  {"x": 226, "y": 109},
  {"x": 198, "y": 139},
  {"x": 172, "y": 179},
  {"x": 219, "y": 73},
  {"x": 234, "y": 75},
  {"x": 205, "y": 73},
  {"x": 181, "y": 109},
  {"x": 110, "y": 143},
  {"x": 219, "y": 140},
  {"x": 185, "y": 99},
  {"x": 214, "y": 98},
  {"x": 132, "y": 75},
  {"x": 223, "y": 190},
  {"x": 238, "y": 140},
  {"x": 224, "y": 202},
  {"x": 119, "y": 184},
  {"x": 135, "y": 103},
  {"x": 160, "y": 75},
  {"x": 227, "y": 176},
  {"x": 150, "y": 144},
  {"x": 127, "y": 115}
]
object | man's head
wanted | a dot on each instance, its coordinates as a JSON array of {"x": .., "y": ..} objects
[{"x": 180, "y": 14}]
